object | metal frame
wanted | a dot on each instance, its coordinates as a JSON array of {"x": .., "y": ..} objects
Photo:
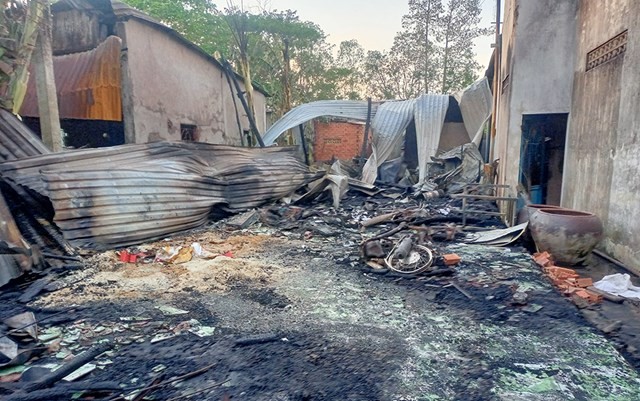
[{"x": 509, "y": 202}]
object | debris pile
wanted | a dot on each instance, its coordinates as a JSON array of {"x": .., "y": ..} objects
[{"x": 568, "y": 281}]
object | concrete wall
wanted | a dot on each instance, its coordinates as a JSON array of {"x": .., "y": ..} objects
[
  {"x": 603, "y": 154},
  {"x": 75, "y": 31},
  {"x": 538, "y": 50},
  {"x": 168, "y": 84}
]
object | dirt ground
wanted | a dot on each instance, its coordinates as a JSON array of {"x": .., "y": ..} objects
[{"x": 330, "y": 330}]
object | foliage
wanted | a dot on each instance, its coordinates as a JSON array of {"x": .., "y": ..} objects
[
  {"x": 197, "y": 20},
  {"x": 432, "y": 54}
]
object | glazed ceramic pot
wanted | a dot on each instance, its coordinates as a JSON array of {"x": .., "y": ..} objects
[{"x": 568, "y": 235}]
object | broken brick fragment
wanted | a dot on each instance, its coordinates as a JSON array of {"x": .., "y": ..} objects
[
  {"x": 587, "y": 295},
  {"x": 571, "y": 290},
  {"x": 451, "y": 259},
  {"x": 560, "y": 273},
  {"x": 594, "y": 297},
  {"x": 584, "y": 282},
  {"x": 543, "y": 259}
]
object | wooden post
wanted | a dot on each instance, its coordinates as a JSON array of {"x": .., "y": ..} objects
[
  {"x": 365, "y": 140},
  {"x": 303, "y": 142},
  {"x": 46, "y": 86},
  {"x": 243, "y": 101}
]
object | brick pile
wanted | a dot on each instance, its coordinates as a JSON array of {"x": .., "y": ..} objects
[{"x": 568, "y": 281}]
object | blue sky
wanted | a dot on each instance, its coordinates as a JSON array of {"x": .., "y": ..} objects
[{"x": 373, "y": 23}]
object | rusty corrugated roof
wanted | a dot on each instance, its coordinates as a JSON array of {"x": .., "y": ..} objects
[
  {"x": 110, "y": 197},
  {"x": 88, "y": 84}
]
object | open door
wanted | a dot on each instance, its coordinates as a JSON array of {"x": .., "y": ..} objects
[{"x": 542, "y": 156}]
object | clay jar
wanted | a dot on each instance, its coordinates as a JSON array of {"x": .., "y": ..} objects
[
  {"x": 525, "y": 213},
  {"x": 523, "y": 217},
  {"x": 568, "y": 235}
]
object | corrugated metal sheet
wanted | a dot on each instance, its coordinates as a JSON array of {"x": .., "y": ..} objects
[
  {"x": 476, "y": 103},
  {"x": 11, "y": 266},
  {"x": 430, "y": 111},
  {"x": 388, "y": 126},
  {"x": 16, "y": 140},
  {"x": 111, "y": 197},
  {"x": 88, "y": 84},
  {"x": 351, "y": 109}
]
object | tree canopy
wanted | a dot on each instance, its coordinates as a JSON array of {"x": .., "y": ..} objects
[{"x": 433, "y": 53}]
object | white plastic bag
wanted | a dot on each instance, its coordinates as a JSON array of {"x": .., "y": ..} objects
[{"x": 618, "y": 284}]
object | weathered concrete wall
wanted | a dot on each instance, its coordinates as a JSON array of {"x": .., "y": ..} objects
[
  {"x": 538, "y": 56},
  {"x": 76, "y": 31},
  {"x": 603, "y": 154},
  {"x": 171, "y": 84}
]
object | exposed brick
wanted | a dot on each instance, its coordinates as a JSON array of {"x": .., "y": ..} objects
[
  {"x": 561, "y": 271},
  {"x": 593, "y": 297},
  {"x": 339, "y": 140},
  {"x": 543, "y": 259},
  {"x": 584, "y": 282},
  {"x": 451, "y": 259}
]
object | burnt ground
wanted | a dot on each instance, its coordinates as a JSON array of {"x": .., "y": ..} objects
[{"x": 330, "y": 328}]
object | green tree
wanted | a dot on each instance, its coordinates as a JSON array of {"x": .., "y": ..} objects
[
  {"x": 350, "y": 62},
  {"x": 457, "y": 29},
  {"x": 286, "y": 36},
  {"x": 432, "y": 53},
  {"x": 419, "y": 35},
  {"x": 197, "y": 20}
]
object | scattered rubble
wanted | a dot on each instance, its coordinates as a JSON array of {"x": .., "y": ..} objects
[{"x": 324, "y": 288}]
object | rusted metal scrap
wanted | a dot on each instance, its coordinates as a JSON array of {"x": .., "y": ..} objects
[{"x": 123, "y": 195}]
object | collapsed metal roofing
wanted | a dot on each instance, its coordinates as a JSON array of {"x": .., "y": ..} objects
[
  {"x": 476, "y": 104},
  {"x": 111, "y": 197},
  {"x": 352, "y": 109},
  {"x": 88, "y": 84},
  {"x": 16, "y": 140},
  {"x": 390, "y": 119}
]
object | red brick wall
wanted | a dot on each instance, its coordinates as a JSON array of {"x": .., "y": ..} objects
[{"x": 340, "y": 140}]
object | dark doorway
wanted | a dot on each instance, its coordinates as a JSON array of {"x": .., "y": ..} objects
[
  {"x": 542, "y": 156},
  {"x": 85, "y": 133}
]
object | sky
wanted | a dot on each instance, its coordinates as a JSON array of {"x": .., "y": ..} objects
[{"x": 373, "y": 23}]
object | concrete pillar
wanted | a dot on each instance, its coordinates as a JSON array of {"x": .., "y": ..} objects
[
  {"x": 46, "y": 86},
  {"x": 126, "y": 88}
]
